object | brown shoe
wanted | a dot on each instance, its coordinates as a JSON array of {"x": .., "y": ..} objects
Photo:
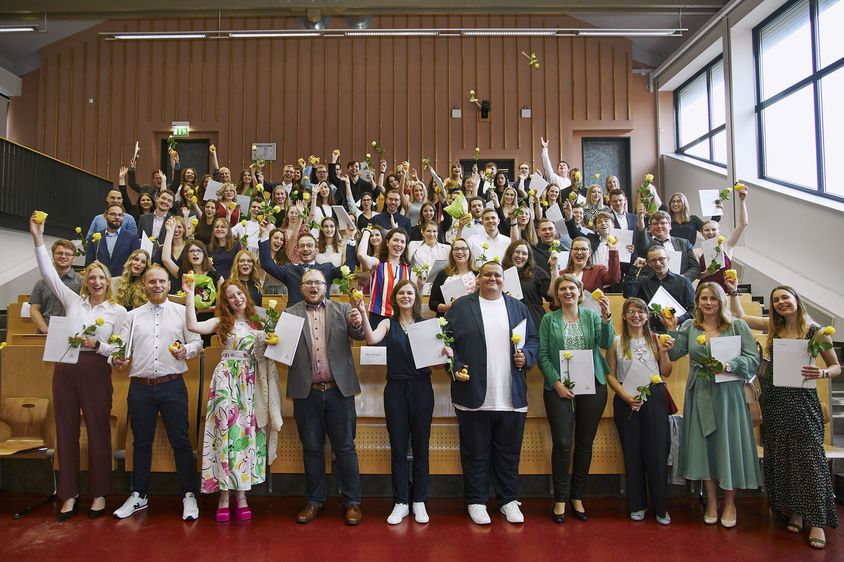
[
  {"x": 308, "y": 513},
  {"x": 353, "y": 514}
]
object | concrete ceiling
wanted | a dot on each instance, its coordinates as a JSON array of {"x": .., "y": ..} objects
[{"x": 19, "y": 52}]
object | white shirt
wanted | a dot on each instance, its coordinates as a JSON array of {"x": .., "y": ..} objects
[
  {"x": 421, "y": 253},
  {"x": 497, "y": 246},
  {"x": 157, "y": 223},
  {"x": 113, "y": 314},
  {"x": 621, "y": 218},
  {"x": 154, "y": 329},
  {"x": 469, "y": 230},
  {"x": 602, "y": 254}
]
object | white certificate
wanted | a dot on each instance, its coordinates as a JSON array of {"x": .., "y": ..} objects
[
  {"x": 725, "y": 349},
  {"x": 555, "y": 215},
  {"x": 590, "y": 303},
  {"x": 211, "y": 190},
  {"x": 57, "y": 349},
  {"x": 708, "y": 198},
  {"x": 638, "y": 375},
  {"x": 426, "y": 348},
  {"x": 789, "y": 357},
  {"x": 625, "y": 238},
  {"x": 581, "y": 371},
  {"x": 373, "y": 355},
  {"x": 675, "y": 260},
  {"x": 289, "y": 331},
  {"x": 664, "y": 299},
  {"x": 146, "y": 244},
  {"x": 435, "y": 269},
  {"x": 538, "y": 185},
  {"x": 562, "y": 259},
  {"x": 512, "y": 284},
  {"x": 710, "y": 253},
  {"x": 453, "y": 290},
  {"x": 521, "y": 330},
  {"x": 244, "y": 201},
  {"x": 136, "y": 152},
  {"x": 25, "y": 308},
  {"x": 344, "y": 221}
]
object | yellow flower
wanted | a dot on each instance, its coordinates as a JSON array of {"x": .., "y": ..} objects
[
  {"x": 739, "y": 186},
  {"x": 266, "y": 195},
  {"x": 486, "y": 246},
  {"x": 597, "y": 294},
  {"x": 152, "y": 238},
  {"x": 649, "y": 177},
  {"x": 272, "y": 338},
  {"x": 276, "y": 209},
  {"x": 301, "y": 162},
  {"x": 3, "y": 344},
  {"x": 730, "y": 274},
  {"x": 344, "y": 270},
  {"x": 516, "y": 339},
  {"x": 113, "y": 339},
  {"x": 567, "y": 355},
  {"x": 306, "y": 196},
  {"x": 193, "y": 199},
  {"x": 99, "y": 321},
  {"x": 663, "y": 338},
  {"x": 374, "y": 143},
  {"x": 668, "y": 312},
  {"x": 96, "y": 237},
  {"x": 194, "y": 221},
  {"x": 472, "y": 93},
  {"x": 828, "y": 331},
  {"x": 531, "y": 193},
  {"x": 578, "y": 175},
  {"x": 181, "y": 294},
  {"x": 78, "y": 230},
  {"x": 260, "y": 218},
  {"x": 39, "y": 216},
  {"x": 368, "y": 156},
  {"x": 243, "y": 222},
  {"x": 612, "y": 239},
  {"x": 572, "y": 196},
  {"x": 597, "y": 177},
  {"x": 496, "y": 258},
  {"x": 254, "y": 148},
  {"x": 721, "y": 240},
  {"x": 656, "y": 379},
  {"x": 357, "y": 294},
  {"x": 701, "y": 339},
  {"x": 232, "y": 205},
  {"x": 443, "y": 321}
]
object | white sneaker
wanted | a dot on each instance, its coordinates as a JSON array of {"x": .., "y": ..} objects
[
  {"x": 190, "y": 511},
  {"x": 131, "y": 505},
  {"x": 400, "y": 511},
  {"x": 478, "y": 513},
  {"x": 512, "y": 512},
  {"x": 638, "y": 515},
  {"x": 420, "y": 513}
]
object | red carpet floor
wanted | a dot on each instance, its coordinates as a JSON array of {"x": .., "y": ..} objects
[{"x": 159, "y": 534}]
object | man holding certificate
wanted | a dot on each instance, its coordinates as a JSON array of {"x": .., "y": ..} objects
[
  {"x": 322, "y": 382},
  {"x": 656, "y": 280},
  {"x": 491, "y": 402}
]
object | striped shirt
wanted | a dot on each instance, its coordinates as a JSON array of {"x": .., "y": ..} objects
[{"x": 383, "y": 279}]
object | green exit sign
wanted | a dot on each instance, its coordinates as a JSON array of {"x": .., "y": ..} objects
[{"x": 181, "y": 128}]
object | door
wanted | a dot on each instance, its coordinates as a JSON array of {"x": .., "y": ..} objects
[
  {"x": 193, "y": 153},
  {"x": 608, "y": 156}
]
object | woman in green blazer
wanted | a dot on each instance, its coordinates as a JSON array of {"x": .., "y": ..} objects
[
  {"x": 718, "y": 445},
  {"x": 569, "y": 328}
]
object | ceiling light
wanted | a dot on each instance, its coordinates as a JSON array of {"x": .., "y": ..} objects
[
  {"x": 266, "y": 34},
  {"x": 142, "y": 36},
  {"x": 18, "y": 28},
  {"x": 630, "y": 32},
  {"x": 508, "y": 32},
  {"x": 391, "y": 33}
]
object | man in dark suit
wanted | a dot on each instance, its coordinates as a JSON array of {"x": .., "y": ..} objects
[
  {"x": 621, "y": 218},
  {"x": 290, "y": 274},
  {"x": 391, "y": 213},
  {"x": 658, "y": 232},
  {"x": 115, "y": 244},
  {"x": 153, "y": 223},
  {"x": 322, "y": 382},
  {"x": 644, "y": 282},
  {"x": 491, "y": 404}
]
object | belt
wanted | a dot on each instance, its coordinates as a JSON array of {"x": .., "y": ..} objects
[
  {"x": 156, "y": 380},
  {"x": 323, "y": 386}
]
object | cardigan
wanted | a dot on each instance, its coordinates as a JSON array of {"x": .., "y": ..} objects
[{"x": 596, "y": 335}]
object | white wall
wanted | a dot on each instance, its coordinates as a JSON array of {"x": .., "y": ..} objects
[{"x": 19, "y": 271}]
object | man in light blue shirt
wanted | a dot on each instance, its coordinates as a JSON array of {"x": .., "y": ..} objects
[{"x": 99, "y": 223}]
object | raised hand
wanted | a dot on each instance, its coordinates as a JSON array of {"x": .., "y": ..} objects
[
  {"x": 122, "y": 172},
  {"x": 543, "y": 142}
]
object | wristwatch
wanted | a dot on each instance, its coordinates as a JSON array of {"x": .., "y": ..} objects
[{"x": 728, "y": 368}]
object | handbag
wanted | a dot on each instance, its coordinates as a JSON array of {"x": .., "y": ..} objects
[{"x": 753, "y": 389}]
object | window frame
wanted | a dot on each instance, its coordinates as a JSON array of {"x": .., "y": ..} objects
[
  {"x": 813, "y": 80},
  {"x": 712, "y": 132}
]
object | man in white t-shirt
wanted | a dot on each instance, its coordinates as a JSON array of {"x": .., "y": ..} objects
[
  {"x": 490, "y": 243},
  {"x": 491, "y": 404}
]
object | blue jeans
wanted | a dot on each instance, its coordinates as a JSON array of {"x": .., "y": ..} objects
[{"x": 332, "y": 413}]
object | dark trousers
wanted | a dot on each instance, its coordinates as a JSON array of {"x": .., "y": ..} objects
[
  {"x": 332, "y": 413},
  {"x": 409, "y": 409},
  {"x": 85, "y": 385},
  {"x": 645, "y": 441},
  {"x": 170, "y": 399},
  {"x": 490, "y": 442},
  {"x": 584, "y": 413}
]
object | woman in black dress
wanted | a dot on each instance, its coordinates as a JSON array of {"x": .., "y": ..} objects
[{"x": 533, "y": 279}]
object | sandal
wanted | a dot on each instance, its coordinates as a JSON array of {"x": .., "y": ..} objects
[
  {"x": 817, "y": 542},
  {"x": 792, "y": 526}
]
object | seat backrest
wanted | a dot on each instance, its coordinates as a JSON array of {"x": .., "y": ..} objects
[{"x": 25, "y": 416}]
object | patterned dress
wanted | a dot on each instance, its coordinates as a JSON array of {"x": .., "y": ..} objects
[
  {"x": 234, "y": 449},
  {"x": 797, "y": 477}
]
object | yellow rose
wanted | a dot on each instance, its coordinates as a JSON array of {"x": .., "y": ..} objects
[
  {"x": 232, "y": 205},
  {"x": 368, "y": 156},
  {"x": 516, "y": 339},
  {"x": 78, "y": 230},
  {"x": 828, "y": 331},
  {"x": 272, "y": 338},
  {"x": 193, "y": 199},
  {"x": 181, "y": 294},
  {"x": 276, "y": 209},
  {"x": 272, "y": 303},
  {"x": 721, "y": 240},
  {"x": 194, "y": 221},
  {"x": 668, "y": 312},
  {"x": 152, "y": 238},
  {"x": 344, "y": 270},
  {"x": 301, "y": 162},
  {"x": 656, "y": 379},
  {"x": 496, "y": 259},
  {"x": 472, "y": 93},
  {"x": 39, "y": 216},
  {"x": 567, "y": 355},
  {"x": 701, "y": 339},
  {"x": 612, "y": 239},
  {"x": 260, "y": 218},
  {"x": 3, "y": 345},
  {"x": 174, "y": 347},
  {"x": 357, "y": 294},
  {"x": 597, "y": 294},
  {"x": 486, "y": 246},
  {"x": 663, "y": 338},
  {"x": 99, "y": 321},
  {"x": 374, "y": 143},
  {"x": 266, "y": 195},
  {"x": 243, "y": 222},
  {"x": 96, "y": 237},
  {"x": 572, "y": 196},
  {"x": 578, "y": 175},
  {"x": 113, "y": 339},
  {"x": 597, "y": 177},
  {"x": 731, "y": 274},
  {"x": 649, "y": 177},
  {"x": 531, "y": 193},
  {"x": 443, "y": 321},
  {"x": 306, "y": 196}
]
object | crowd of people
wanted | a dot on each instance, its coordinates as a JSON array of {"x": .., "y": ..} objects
[{"x": 454, "y": 240}]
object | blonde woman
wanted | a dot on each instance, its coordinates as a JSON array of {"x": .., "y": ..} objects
[
  {"x": 130, "y": 291},
  {"x": 683, "y": 223},
  {"x": 594, "y": 205}
]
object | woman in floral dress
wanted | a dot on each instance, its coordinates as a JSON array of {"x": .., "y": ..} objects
[{"x": 234, "y": 448}]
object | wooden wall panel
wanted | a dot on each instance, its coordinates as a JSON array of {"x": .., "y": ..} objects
[{"x": 313, "y": 95}]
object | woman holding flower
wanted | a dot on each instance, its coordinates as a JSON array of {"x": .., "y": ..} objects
[
  {"x": 683, "y": 223},
  {"x": 173, "y": 248},
  {"x": 717, "y": 445},
  {"x": 428, "y": 213},
  {"x": 506, "y": 210},
  {"x": 532, "y": 278},
  {"x": 281, "y": 200},
  {"x": 249, "y": 273},
  {"x": 571, "y": 327},
  {"x": 460, "y": 269},
  {"x": 234, "y": 449},
  {"x": 642, "y": 418},
  {"x": 797, "y": 478},
  {"x": 223, "y": 247},
  {"x": 408, "y": 400},
  {"x": 227, "y": 207},
  {"x": 391, "y": 266},
  {"x": 580, "y": 266},
  {"x": 331, "y": 248},
  {"x": 711, "y": 229},
  {"x": 130, "y": 290},
  {"x": 85, "y": 385},
  {"x": 594, "y": 204}
]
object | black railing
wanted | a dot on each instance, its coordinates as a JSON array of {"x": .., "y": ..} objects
[{"x": 30, "y": 180}]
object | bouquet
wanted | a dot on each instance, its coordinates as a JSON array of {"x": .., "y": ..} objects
[
  {"x": 268, "y": 324},
  {"x": 422, "y": 270},
  {"x": 205, "y": 292},
  {"x": 344, "y": 284},
  {"x": 268, "y": 210},
  {"x": 458, "y": 207}
]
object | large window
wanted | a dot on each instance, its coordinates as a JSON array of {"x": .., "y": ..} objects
[
  {"x": 799, "y": 93},
  {"x": 701, "y": 117}
]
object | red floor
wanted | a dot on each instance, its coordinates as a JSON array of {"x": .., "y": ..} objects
[{"x": 159, "y": 534}]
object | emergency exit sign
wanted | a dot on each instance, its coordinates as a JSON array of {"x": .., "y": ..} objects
[{"x": 181, "y": 128}]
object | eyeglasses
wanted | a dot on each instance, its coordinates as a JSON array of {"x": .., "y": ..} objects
[
  {"x": 458, "y": 250},
  {"x": 195, "y": 251},
  {"x": 312, "y": 283}
]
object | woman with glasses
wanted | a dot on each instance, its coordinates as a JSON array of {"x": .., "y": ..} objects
[
  {"x": 580, "y": 266},
  {"x": 460, "y": 269}
]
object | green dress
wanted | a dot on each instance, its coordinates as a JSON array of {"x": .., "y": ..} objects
[{"x": 718, "y": 441}]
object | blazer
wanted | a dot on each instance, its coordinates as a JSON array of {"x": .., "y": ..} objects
[
  {"x": 290, "y": 274},
  {"x": 125, "y": 244},
  {"x": 689, "y": 266},
  {"x": 596, "y": 335},
  {"x": 383, "y": 220},
  {"x": 467, "y": 326},
  {"x": 339, "y": 346},
  {"x": 145, "y": 225}
]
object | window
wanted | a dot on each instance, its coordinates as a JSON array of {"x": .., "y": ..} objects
[
  {"x": 799, "y": 85},
  {"x": 701, "y": 116}
]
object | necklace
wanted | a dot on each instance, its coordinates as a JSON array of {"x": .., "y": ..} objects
[{"x": 404, "y": 326}]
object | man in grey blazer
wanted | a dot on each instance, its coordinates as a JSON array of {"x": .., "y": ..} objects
[
  {"x": 322, "y": 382},
  {"x": 659, "y": 232}
]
